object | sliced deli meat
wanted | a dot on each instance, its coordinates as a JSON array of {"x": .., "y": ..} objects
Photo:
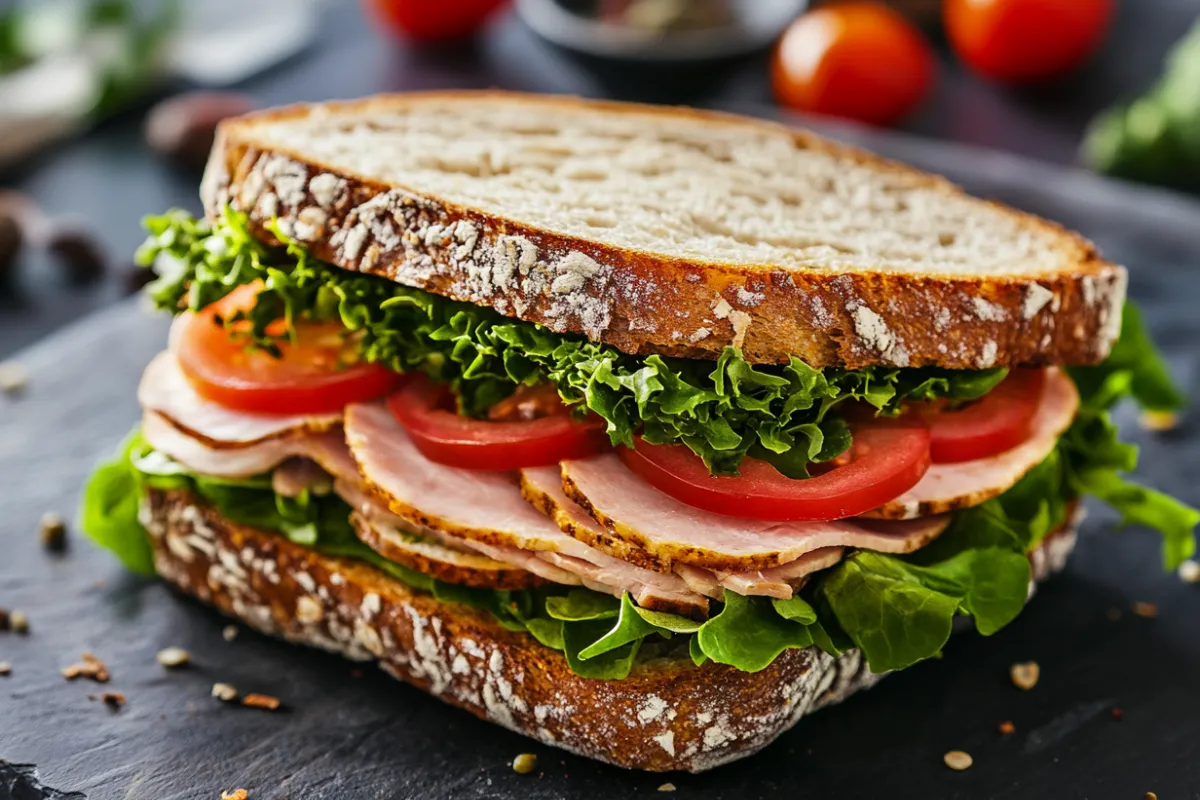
[
  {"x": 486, "y": 510},
  {"x": 646, "y": 527},
  {"x": 165, "y": 390},
  {"x": 947, "y": 487}
]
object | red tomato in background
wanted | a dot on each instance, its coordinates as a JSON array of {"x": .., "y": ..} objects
[
  {"x": 1021, "y": 41},
  {"x": 860, "y": 60},
  {"x": 434, "y": 20}
]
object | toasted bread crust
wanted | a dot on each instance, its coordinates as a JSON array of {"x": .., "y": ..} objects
[
  {"x": 643, "y": 302},
  {"x": 668, "y": 715}
]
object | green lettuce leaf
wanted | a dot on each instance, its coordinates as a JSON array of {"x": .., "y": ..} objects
[
  {"x": 722, "y": 410},
  {"x": 109, "y": 513}
]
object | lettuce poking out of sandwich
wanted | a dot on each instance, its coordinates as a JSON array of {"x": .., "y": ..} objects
[{"x": 897, "y": 610}]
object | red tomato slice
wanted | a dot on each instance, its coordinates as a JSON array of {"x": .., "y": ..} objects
[
  {"x": 997, "y": 422},
  {"x": 426, "y": 412},
  {"x": 887, "y": 459},
  {"x": 315, "y": 373}
]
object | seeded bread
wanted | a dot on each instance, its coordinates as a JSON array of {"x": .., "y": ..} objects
[
  {"x": 669, "y": 231},
  {"x": 668, "y": 715}
]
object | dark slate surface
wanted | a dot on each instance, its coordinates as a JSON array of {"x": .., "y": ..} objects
[{"x": 344, "y": 736}]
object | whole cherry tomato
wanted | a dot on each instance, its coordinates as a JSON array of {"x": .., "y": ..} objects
[
  {"x": 860, "y": 60},
  {"x": 1023, "y": 41},
  {"x": 434, "y": 20}
]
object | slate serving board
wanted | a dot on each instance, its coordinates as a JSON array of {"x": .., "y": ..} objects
[{"x": 345, "y": 734}]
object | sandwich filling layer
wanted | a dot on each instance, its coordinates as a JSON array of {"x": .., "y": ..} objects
[{"x": 736, "y": 510}]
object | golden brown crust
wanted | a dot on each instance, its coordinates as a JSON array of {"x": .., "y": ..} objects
[
  {"x": 668, "y": 715},
  {"x": 642, "y": 302},
  {"x": 467, "y": 569}
]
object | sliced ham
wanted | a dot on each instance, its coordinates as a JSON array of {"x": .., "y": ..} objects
[
  {"x": 166, "y": 391},
  {"x": 296, "y": 476},
  {"x": 486, "y": 510},
  {"x": 646, "y": 527},
  {"x": 781, "y": 582},
  {"x": 947, "y": 487}
]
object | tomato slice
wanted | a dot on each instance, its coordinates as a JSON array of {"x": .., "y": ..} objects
[
  {"x": 426, "y": 411},
  {"x": 316, "y": 372},
  {"x": 997, "y": 422},
  {"x": 887, "y": 459}
]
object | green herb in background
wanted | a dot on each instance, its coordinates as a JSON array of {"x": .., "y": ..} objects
[{"x": 1156, "y": 138}]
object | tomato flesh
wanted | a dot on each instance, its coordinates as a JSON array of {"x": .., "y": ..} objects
[
  {"x": 442, "y": 435},
  {"x": 434, "y": 20},
  {"x": 1022, "y": 41},
  {"x": 888, "y": 458},
  {"x": 314, "y": 374},
  {"x": 859, "y": 60},
  {"x": 997, "y": 422}
]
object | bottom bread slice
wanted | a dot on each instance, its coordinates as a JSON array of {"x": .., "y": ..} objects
[{"x": 667, "y": 715}]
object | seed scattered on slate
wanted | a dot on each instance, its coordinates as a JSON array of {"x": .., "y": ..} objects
[
  {"x": 525, "y": 763},
  {"x": 667, "y": 787},
  {"x": 91, "y": 667},
  {"x": 172, "y": 657},
  {"x": 18, "y": 621},
  {"x": 5, "y": 668},
  {"x": 224, "y": 692},
  {"x": 1189, "y": 571},
  {"x": 1007, "y": 727},
  {"x": 1025, "y": 674},
  {"x": 958, "y": 760},
  {"x": 264, "y": 701},
  {"x": 236, "y": 794},
  {"x": 52, "y": 530},
  {"x": 14, "y": 378},
  {"x": 1147, "y": 610},
  {"x": 230, "y": 632},
  {"x": 77, "y": 252}
]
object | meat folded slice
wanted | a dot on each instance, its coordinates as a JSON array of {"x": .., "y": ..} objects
[
  {"x": 543, "y": 487},
  {"x": 166, "y": 391},
  {"x": 947, "y": 487},
  {"x": 328, "y": 449},
  {"x": 643, "y": 526},
  {"x": 487, "y": 512}
]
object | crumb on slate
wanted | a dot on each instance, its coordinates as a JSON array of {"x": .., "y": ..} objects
[
  {"x": 230, "y": 632},
  {"x": 224, "y": 692},
  {"x": 5, "y": 668},
  {"x": 18, "y": 621},
  {"x": 52, "y": 531},
  {"x": 1007, "y": 727},
  {"x": 90, "y": 667},
  {"x": 1158, "y": 421},
  {"x": 264, "y": 701},
  {"x": 14, "y": 378},
  {"x": 1189, "y": 571},
  {"x": 236, "y": 794},
  {"x": 113, "y": 700},
  {"x": 667, "y": 787},
  {"x": 1025, "y": 674},
  {"x": 1147, "y": 610}
]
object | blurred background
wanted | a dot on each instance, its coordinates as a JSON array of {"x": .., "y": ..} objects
[{"x": 107, "y": 107}]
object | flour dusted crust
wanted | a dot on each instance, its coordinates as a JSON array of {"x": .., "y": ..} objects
[
  {"x": 668, "y": 715},
  {"x": 1061, "y": 308}
]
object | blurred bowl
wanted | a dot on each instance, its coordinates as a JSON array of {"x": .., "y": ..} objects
[{"x": 747, "y": 26}]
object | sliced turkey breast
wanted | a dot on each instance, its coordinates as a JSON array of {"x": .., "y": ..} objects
[
  {"x": 165, "y": 390},
  {"x": 486, "y": 508},
  {"x": 947, "y": 487},
  {"x": 646, "y": 527}
]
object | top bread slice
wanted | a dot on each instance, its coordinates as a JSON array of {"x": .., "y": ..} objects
[{"x": 672, "y": 231}]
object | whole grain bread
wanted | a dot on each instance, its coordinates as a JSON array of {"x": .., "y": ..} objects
[
  {"x": 668, "y": 230},
  {"x": 667, "y": 715}
]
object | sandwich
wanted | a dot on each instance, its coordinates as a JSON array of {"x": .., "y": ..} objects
[{"x": 643, "y": 432}]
